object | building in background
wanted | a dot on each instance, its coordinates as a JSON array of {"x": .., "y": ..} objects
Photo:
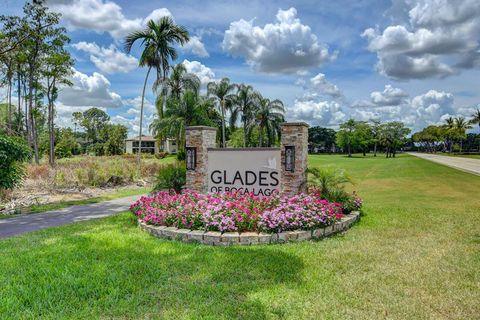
[{"x": 151, "y": 145}]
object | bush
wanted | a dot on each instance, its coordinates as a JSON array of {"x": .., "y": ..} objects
[
  {"x": 13, "y": 152},
  {"x": 181, "y": 155},
  {"x": 170, "y": 177},
  {"x": 236, "y": 212},
  {"x": 161, "y": 155},
  {"x": 329, "y": 184}
]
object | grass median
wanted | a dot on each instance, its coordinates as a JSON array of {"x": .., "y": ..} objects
[{"x": 413, "y": 255}]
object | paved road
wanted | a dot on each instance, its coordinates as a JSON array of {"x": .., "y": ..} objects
[
  {"x": 464, "y": 164},
  {"x": 31, "y": 222}
]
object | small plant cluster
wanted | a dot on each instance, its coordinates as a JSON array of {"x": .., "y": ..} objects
[
  {"x": 329, "y": 184},
  {"x": 236, "y": 212}
]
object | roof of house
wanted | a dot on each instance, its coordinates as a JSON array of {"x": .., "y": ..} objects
[{"x": 144, "y": 138}]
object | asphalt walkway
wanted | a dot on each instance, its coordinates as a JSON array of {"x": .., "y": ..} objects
[
  {"x": 464, "y": 164},
  {"x": 30, "y": 222}
]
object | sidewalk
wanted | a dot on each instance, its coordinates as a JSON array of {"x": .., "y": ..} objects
[
  {"x": 464, "y": 164},
  {"x": 31, "y": 222}
]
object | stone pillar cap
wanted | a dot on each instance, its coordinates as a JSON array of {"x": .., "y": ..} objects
[
  {"x": 200, "y": 128},
  {"x": 294, "y": 124}
]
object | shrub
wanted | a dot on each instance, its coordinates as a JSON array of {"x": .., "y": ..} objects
[
  {"x": 181, "y": 155},
  {"x": 329, "y": 184},
  {"x": 236, "y": 212},
  {"x": 13, "y": 152},
  {"x": 171, "y": 176},
  {"x": 161, "y": 155}
]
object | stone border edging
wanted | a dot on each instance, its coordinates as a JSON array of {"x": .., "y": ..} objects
[{"x": 217, "y": 238}]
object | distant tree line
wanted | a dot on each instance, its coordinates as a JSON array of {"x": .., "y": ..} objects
[
  {"x": 373, "y": 136},
  {"x": 359, "y": 136},
  {"x": 451, "y": 136}
]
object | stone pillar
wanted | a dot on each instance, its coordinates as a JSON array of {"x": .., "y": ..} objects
[
  {"x": 200, "y": 138},
  {"x": 294, "y": 142}
]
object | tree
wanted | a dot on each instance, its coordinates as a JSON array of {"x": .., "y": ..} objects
[
  {"x": 323, "y": 138},
  {"x": 94, "y": 121},
  {"x": 460, "y": 128},
  {"x": 179, "y": 82},
  {"x": 77, "y": 120},
  {"x": 189, "y": 110},
  {"x": 245, "y": 103},
  {"x": 363, "y": 135},
  {"x": 40, "y": 24},
  {"x": 375, "y": 131},
  {"x": 269, "y": 116},
  {"x": 157, "y": 40},
  {"x": 57, "y": 70},
  {"x": 223, "y": 93},
  {"x": 114, "y": 136},
  {"x": 393, "y": 135},
  {"x": 346, "y": 137},
  {"x": 476, "y": 120},
  {"x": 13, "y": 152},
  {"x": 66, "y": 144},
  {"x": 10, "y": 32},
  {"x": 431, "y": 137}
]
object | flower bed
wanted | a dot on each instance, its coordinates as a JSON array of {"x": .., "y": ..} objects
[{"x": 235, "y": 212}]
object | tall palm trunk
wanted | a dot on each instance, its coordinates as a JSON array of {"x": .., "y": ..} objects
[
  {"x": 51, "y": 133},
  {"x": 222, "y": 105},
  {"x": 31, "y": 123},
  {"x": 10, "y": 122},
  {"x": 141, "y": 124},
  {"x": 244, "y": 132},
  {"x": 19, "y": 95},
  {"x": 260, "y": 131},
  {"x": 25, "y": 100}
]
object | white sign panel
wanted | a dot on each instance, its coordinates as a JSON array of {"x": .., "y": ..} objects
[{"x": 244, "y": 171}]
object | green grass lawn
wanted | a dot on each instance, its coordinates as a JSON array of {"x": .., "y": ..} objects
[{"x": 414, "y": 255}]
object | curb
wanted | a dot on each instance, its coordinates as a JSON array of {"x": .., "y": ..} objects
[{"x": 216, "y": 238}]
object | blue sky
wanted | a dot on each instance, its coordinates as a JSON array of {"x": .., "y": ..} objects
[{"x": 414, "y": 61}]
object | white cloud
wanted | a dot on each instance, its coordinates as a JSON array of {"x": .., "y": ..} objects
[
  {"x": 108, "y": 59},
  {"x": 439, "y": 39},
  {"x": 64, "y": 114},
  {"x": 322, "y": 113},
  {"x": 431, "y": 107},
  {"x": 389, "y": 97},
  {"x": 131, "y": 117},
  {"x": 93, "y": 91},
  {"x": 205, "y": 74},
  {"x": 320, "y": 83},
  {"x": 102, "y": 16},
  {"x": 196, "y": 46},
  {"x": 286, "y": 46}
]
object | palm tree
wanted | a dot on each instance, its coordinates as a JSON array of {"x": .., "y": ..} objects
[
  {"x": 268, "y": 117},
  {"x": 179, "y": 81},
  {"x": 244, "y": 103},
  {"x": 476, "y": 120},
  {"x": 461, "y": 126},
  {"x": 450, "y": 128},
  {"x": 157, "y": 40},
  {"x": 190, "y": 109},
  {"x": 223, "y": 93}
]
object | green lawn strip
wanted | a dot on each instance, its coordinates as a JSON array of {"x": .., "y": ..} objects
[
  {"x": 64, "y": 204},
  {"x": 414, "y": 255}
]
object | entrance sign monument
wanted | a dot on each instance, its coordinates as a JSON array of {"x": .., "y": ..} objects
[{"x": 246, "y": 170}]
